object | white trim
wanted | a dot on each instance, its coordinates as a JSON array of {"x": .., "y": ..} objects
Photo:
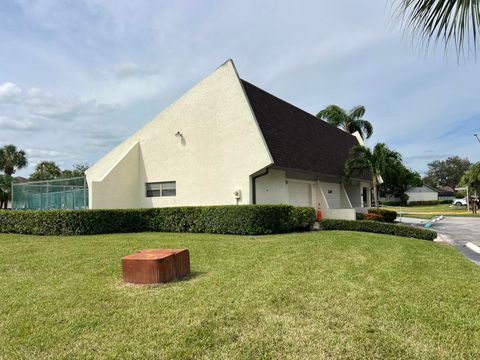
[
  {"x": 346, "y": 195},
  {"x": 117, "y": 162},
  {"x": 230, "y": 61},
  {"x": 323, "y": 195},
  {"x": 359, "y": 138}
]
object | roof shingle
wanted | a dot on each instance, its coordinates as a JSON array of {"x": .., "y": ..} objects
[{"x": 296, "y": 139}]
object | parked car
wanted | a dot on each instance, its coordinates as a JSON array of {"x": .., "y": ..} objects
[{"x": 460, "y": 202}]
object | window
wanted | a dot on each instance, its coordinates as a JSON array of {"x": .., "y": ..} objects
[{"x": 166, "y": 188}]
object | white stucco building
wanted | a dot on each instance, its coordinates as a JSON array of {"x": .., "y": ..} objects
[
  {"x": 422, "y": 193},
  {"x": 228, "y": 142}
]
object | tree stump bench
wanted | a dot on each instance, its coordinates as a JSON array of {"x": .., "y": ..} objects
[{"x": 153, "y": 266}]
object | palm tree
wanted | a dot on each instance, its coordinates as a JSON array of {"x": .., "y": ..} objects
[
  {"x": 362, "y": 159},
  {"x": 350, "y": 121},
  {"x": 12, "y": 159},
  {"x": 45, "y": 170},
  {"x": 456, "y": 21}
]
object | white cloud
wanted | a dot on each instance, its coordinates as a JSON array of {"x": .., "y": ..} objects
[
  {"x": 102, "y": 139},
  {"x": 47, "y": 105},
  {"x": 41, "y": 153},
  {"x": 125, "y": 70},
  {"x": 13, "y": 124},
  {"x": 9, "y": 92}
]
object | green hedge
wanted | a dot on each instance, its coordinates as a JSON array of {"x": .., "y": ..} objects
[
  {"x": 378, "y": 227},
  {"x": 243, "y": 220},
  {"x": 417, "y": 203},
  {"x": 429, "y": 202},
  {"x": 391, "y": 203},
  {"x": 385, "y": 215}
]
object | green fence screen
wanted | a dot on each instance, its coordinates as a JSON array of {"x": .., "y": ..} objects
[{"x": 52, "y": 194}]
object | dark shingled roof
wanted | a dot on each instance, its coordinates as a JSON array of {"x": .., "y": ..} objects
[{"x": 296, "y": 139}]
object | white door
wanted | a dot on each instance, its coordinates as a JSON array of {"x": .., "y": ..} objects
[{"x": 299, "y": 194}]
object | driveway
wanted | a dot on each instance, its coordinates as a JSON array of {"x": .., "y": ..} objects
[{"x": 460, "y": 231}]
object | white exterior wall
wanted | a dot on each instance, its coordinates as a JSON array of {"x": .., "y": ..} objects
[
  {"x": 123, "y": 175},
  {"x": 272, "y": 188},
  {"x": 220, "y": 148},
  {"x": 422, "y": 196},
  {"x": 354, "y": 192}
]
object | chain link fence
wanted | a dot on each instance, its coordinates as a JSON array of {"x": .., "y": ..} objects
[{"x": 68, "y": 194}]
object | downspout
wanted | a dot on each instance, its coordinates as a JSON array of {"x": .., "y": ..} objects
[{"x": 254, "y": 187}]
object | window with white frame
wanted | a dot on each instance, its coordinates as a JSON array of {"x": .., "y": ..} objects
[{"x": 164, "y": 188}]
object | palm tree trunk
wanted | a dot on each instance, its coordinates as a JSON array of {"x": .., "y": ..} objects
[{"x": 375, "y": 193}]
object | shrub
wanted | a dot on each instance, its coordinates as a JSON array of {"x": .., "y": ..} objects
[
  {"x": 379, "y": 228},
  {"x": 429, "y": 202},
  {"x": 244, "y": 220},
  {"x": 446, "y": 201},
  {"x": 460, "y": 195},
  {"x": 404, "y": 199},
  {"x": 359, "y": 216},
  {"x": 385, "y": 215},
  {"x": 373, "y": 217},
  {"x": 392, "y": 203}
]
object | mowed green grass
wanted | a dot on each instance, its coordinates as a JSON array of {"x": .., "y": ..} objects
[
  {"x": 311, "y": 295},
  {"x": 433, "y": 210}
]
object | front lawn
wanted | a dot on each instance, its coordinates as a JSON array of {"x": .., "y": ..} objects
[
  {"x": 432, "y": 210},
  {"x": 310, "y": 295}
]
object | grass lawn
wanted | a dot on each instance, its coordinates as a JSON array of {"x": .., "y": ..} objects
[
  {"x": 432, "y": 210},
  {"x": 312, "y": 295}
]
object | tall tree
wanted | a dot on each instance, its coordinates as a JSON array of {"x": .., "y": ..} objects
[
  {"x": 446, "y": 172},
  {"x": 397, "y": 178},
  {"x": 471, "y": 178},
  {"x": 45, "y": 170},
  {"x": 451, "y": 21},
  {"x": 77, "y": 171},
  {"x": 362, "y": 160},
  {"x": 12, "y": 159},
  {"x": 350, "y": 121}
]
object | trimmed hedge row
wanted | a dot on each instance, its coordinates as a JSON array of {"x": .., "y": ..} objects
[
  {"x": 391, "y": 203},
  {"x": 417, "y": 203},
  {"x": 383, "y": 215},
  {"x": 240, "y": 219},
  {"x": 379, "y": 228},
  {"x": 429, "y": 202}
]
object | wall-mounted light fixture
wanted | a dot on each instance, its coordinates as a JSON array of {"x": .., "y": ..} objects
[{"x": 178, "y": 133}]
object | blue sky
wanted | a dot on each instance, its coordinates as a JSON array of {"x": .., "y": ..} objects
[{"x": 78, "y": 76}]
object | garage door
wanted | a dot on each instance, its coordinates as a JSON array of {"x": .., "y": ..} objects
[{"x": 299, "y": 194}]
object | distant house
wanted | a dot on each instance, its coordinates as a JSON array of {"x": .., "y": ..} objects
[
  {"x": 228, "y": 142},
  {"x": 446, "y": 193},
  {"x": 422, "y": 193}
]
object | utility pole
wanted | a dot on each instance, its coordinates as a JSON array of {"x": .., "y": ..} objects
[{"x": 478, "y": 138}]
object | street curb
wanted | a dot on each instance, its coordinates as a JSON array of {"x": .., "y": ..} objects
[{"x": 443, "y": 239}]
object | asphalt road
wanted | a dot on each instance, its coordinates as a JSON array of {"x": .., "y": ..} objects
[{"x": 459, "y": 231}]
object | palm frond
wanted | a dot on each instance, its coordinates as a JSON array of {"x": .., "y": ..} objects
[
  {"x": 333, "y": 114},
  {"x": 362, "y": 126},
  {"x": 452, "y": 21},
  {"x": 357, "y": 112}
]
